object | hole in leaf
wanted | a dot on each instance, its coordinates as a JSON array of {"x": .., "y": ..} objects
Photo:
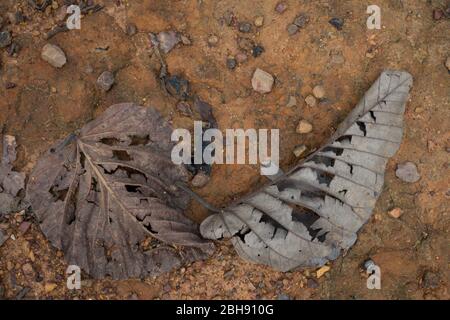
[
  {"x": 110, "y": 141},
  {"x": 122, "y": 155},
  {"x": 362, "y": 127},
  {"x": 139, "y": 140}
]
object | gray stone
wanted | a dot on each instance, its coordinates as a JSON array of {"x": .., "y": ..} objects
[
  {"x": 167, "y": 40},
  {"x": 53, "y": 55},
  {"x": 5, "y": 39},
  {"x": 407, "y": 172},
  {"x": 200, "y": 180},
  {"x": 262, "y": 81},
  {"x": 245, "y": 27},
  {"x": 292, "y": 29},
  {"x": 106, "y": 80}
]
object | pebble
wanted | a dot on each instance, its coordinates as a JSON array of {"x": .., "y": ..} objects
[
  {"x": 281, "y": 7},
  {"x": 395, "y": 213},
  {"x": 437, "y": 14},
  {"x": 49, "y": 287},
  {"x": 3, "y": 237},
  {"x": 185, "y": 40},
  {"x": 241, "y": 57},
  {"x": 312, "y": 283},
  {"x": 131, "y": 29},
  {"x": 245, "y": 27},
  {"x": 257, "y": 50},
  {"x": 338, "y": 23},
  {"x": 292, "y": 102},
  {"x": 53, "y": 55},
  {"x": 322, "y": 271},
  {"x": 304, "y": 127},
  {"x": 167, "y": 40},
  {"x": 28, "y": 269},
  {"x": 407, "y": 172},
  {"x": 447, "y": 63},
  {"x": 262, "y": 81},
  {"x": 213, "y": 40},
  {"x": 299, "y": 150},
  {"x": 301, "y": 20},
  {"x": 106, "y": 80},
  {"x": 311, "y": 101},
  {"x": 177, "y": 86},
  {"x": 430, "y": 280},
  {"x": 5, "y": 39},
  {"x": 292, "y": 29},
  {"x": 200, "y": 179},
  {"x": 231, "y": 63},
  {"x": 319, "y": 92},
  {"x": 10, "y": 85},
  {"x": 259, "y": 21}
]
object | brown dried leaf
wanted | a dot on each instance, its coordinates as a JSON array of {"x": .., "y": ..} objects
[{"x": 108, "y": 197}]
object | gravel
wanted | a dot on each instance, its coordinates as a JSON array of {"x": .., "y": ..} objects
[
  {"x": 407, "y": 172},
  {"x": 106, "y": 80},
  {"x": 167, "y": 40},
  {"x": 338, "y": 23},
  {"x": 257, "y": 50},
  {"x": 299, "y": 150},
  {"x": 245, "y": 27},
  {"x": 231, "y": 63},
  {"x": 281, "y": 7},
  {"x": 5, "y": 39},
  {"x": 304, "y": 127},
  {"x": 311, "y": 101},
  {"x": 53, "y": 55},
  {"x": 262, "y": 81},
  {"x": 319, "y": 92},
  {"x": 292, "y": 29}
]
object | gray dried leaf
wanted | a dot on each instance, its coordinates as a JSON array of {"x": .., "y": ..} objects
[
  {"x": 311, "y": 214},
  {"x": 109, "y": 197}
]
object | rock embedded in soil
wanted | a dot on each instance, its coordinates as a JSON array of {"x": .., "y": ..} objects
[
  {"x": 262, "y": 81},
  {"x": 338, "y": 23},
  {"x": 200, "y": 179},
  {"x": 257, "y": 50},
  {"x": 167, "y": 40},
  {"x": 5, "y": 39},
  {"x": 311, "y": 101},
  {"x": 106, "y": 80},
  {"x": 299, "y": 150},
  {"x": 304, "y": 127},
  {"x": 213, "y": 40},
  {"x": 301, "y": 20},
  {"x": 395, "y": 213},
  {"x": 437, "y": 14},
  {"x": 292, "y": 102},
  {"x": 281, "y": 7},
  {"x": 53, "y": 55},
  {"x": 407, "y": 172},
  {"x": 245, "y": 27},
  {"x": 292, "y": 29},
  {"x": 241, "y": 57},
  {"x": 231, "y": 63},
  {"x": 259, "y": 21},
  {"x": 131, "y": 29},
  {"x": 319, "y": 92}
]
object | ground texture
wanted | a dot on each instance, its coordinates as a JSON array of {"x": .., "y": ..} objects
[{"x": 47, "y": 104}]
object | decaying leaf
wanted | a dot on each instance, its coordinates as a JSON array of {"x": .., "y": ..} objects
[
  {"x": 309, "y": 215},
  {"x": 11, "y": 182},
  {"x": 108, "y": 197}
]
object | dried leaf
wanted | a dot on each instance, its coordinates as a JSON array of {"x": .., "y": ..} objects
[
  {"x": 311, "y": 214},
  {"x": 109, "y": 198}
]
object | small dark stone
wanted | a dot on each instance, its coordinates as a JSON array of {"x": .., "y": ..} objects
[
  {"x": 281, "y": 7},
  {"x": 437, "y": 14},
  {"x": 312, "y": 283},
  {"x": 257, "y": 50},
  {"x": 131, "y": 29},
  {"x": 106, "y": 80},
  {"x": 338, "y": 23},
  {"x": 430, "y": 280},
  {"x": 10, "y": 85},
  {"x": 245, "y": 27},
  {"x": 177, "y": 87},
  {"x": 231, "y": 63},
  {"x": 301, "y": 20},
  {"x": 5, "y": 39}
]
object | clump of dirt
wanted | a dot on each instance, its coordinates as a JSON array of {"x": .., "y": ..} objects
[{"x": 41, "y": 103}]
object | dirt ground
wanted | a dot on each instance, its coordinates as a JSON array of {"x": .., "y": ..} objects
[{"x": 47, "y": 104}]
